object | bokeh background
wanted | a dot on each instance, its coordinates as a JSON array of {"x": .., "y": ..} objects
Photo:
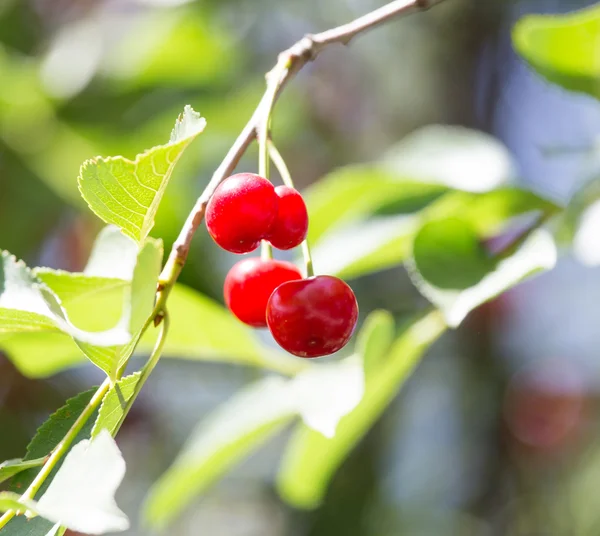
[{"x": 496, "y": 432}]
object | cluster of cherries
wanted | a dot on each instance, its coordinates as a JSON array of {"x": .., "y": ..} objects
[{"x": 308, "y": 317}]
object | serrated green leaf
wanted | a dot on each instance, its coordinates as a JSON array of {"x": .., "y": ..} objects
[
  {"x": 115, "y": 404},
  {"x": 374, "y": 340},
  {"x": 51, "y": 433},
  {"x": 321, "y": 395},
  {"x": 537, "y": 254},
  {"x": 38, "y": 526},
  {"x": 311, "y": 459},
  {"x": 10, "y": 468},
  {"x": 81, "y": 494},
  {"x": 449, "y": 255},
  {"x": 563, "y": 48},
  {"x": 28, "y": 305},
  {"x": 453, "y": 156},
  {"x": 127, "y": 193}
]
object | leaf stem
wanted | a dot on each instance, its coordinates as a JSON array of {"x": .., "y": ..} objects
[
  {"x": 6, "y": 517},
  {"x": 148, "y": 367},
  {"x": 286, "y": 177}
]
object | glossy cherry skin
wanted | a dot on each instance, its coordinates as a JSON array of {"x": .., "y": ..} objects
[
  {"x": 291, "y": 223},
  {"x": 241, "y": 212},
  {"x": 250, "y": 283},
  {"x": 312, "y": 317}
]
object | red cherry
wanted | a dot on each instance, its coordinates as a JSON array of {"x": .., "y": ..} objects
[
  {"x": 250, "y": 283},
  {"x": 241, "y": 211},
  {"x": 312, "y": 317},
  {"x": 291, "y": 223}
]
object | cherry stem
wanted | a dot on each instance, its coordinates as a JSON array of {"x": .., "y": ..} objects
[{"x": 286, "y": 177}]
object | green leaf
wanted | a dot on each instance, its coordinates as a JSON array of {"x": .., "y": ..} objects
[
  {"x": 115, "y": 404},
  {"x": 70, "y": 286},
  {"x": 81, "y": 495},
  {"x": 449, "y": 255},
  {"x": 365, "y": 247},
  {"x": 374, "y": 340},
  {"x": 246, "y": 421},
  {"x": 311, "y": 459},
  {"x": 28, "y": 305},
  {"x": 453, "y": 156},
  {"x": 352, "y": 193},
  {"x": 321, "y": 395},
  {"x": 10, "y": 501},
  {"x": 127, "y": 193},
  {"x": 51, "y": 433},
  {"x": 538, "y": 253},
  {"x": 137, "y": 308},
  {"x": 10, "y": 468},
  {"x": 38, "y": 526},
  {"x": 563, "y": 48}
]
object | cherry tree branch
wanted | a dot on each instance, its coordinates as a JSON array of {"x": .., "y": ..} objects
[{"x": 289, "y": 62}]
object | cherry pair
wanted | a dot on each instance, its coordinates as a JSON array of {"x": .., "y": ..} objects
[
  {"x": 246, "y": 208},
  {"x": 307, "y": 317}
]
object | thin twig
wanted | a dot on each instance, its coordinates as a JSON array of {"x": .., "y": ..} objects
[{"x": 294, "y": 58}]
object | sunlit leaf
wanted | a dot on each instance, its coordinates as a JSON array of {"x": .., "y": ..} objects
[
  {"x": 352, "y": 193},
  {"x": 365, "y": 247},
  {"x": 311, "y": 458},
  {"x": 563, "y": 48},
  {"x": 69, "y": 286},
  {"x": 362, "y": 247},
  {"x": 453, "y": 156},
  {"x": 81, "y": 495},
  {"x": 537, "y": 254},
  {"x": 241, "y": 425},
  {"x": 28, "y": 305},
  {"x": 137, "y": 308},
  {"x": 374, "y": 340},
  {"x": 127, "y": 193},
  {"x": 115, "y": 404},
  {"x": 321, "y": 395}
]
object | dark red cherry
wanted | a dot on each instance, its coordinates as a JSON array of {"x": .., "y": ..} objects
[
  {"x": 312, "y": 317},
  {"x": 241, "y": 212},
  {"x": 250, "y": 283},
  {"x": 291, "y": 223}
]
